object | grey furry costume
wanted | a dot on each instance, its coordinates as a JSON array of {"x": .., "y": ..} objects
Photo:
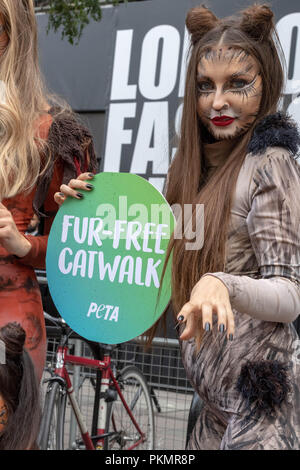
[{"x": 251, "y": 386}]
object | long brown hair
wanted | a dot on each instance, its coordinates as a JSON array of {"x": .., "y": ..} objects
[
  {"x": 19, "y": 390},
  {"x": 252, "y": 31}
]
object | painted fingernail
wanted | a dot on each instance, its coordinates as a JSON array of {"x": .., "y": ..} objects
[
  {"x": 89, "y": 186},
  {"x": 221, "y": 328},
  {"x": 180, "y": 318},
  {"x": 207, "y": 326},
  {"x": 79, "y": 195},
  {"x": 91, "y": 175},
  {"x": 61, "y": 194},
  {"x": 231, "y": 337}
]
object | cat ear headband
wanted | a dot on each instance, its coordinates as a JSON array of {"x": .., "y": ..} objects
[{"x": 256, "y": 21}]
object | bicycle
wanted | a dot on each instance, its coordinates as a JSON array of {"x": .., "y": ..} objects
[{"x": 123, "y": 414}]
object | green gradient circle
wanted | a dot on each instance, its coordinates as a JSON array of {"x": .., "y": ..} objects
[{"x": 105, "y": 283}]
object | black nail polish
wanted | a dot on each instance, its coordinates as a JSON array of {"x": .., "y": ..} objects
[
  {"x": 180, "y": 318},
  {"x": 207, "y": 326},
  {"x": 79, "y": 195},
  {"x": 231, "y": 337},
  {"x": 61, "y": 194},
  {"x": 89, "y": 186},
  {"x": 90, "y": 175},
  {"x": 222, "y": 328}
]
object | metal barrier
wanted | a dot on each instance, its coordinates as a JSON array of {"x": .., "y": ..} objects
[{"x": 162, "y": 366}]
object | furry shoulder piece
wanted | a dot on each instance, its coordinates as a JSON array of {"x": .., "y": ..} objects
[
  {"x": 70, "y": 142},
  {"x": 275, "y": 130}
]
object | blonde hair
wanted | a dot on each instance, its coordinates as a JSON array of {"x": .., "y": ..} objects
[{"x": 23, "y": 155}]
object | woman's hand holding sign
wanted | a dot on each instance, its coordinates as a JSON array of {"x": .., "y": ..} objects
[
  {"x": 106, "y": 254},
  {"x": 209, "y": 296},
  {"x": 10, "y": 237},
  {"x": 74, "y": 187}
]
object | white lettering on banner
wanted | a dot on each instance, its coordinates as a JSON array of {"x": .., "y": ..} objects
[
  {"x": 117, "y": 135},
  {"x": 168, "y": 38},
  {"x": 184, "y": 61},
  {"x": 156, "y": 80},
  {"x": 120, "y": 89},
  {"x": 158, "y": 183},
  {"x": 153, "y": 127},
  {"x": 141, "y": 126},
  {"x": 288, "y": 29},
  {"x": 164, "y": 38}
]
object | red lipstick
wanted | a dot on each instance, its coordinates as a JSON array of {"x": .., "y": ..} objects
[{"x": 222, "y": 120}]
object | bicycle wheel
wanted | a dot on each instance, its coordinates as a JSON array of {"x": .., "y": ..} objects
[
  {"x": 52, "y": 427},
  {"x": 136, "y": 393}
]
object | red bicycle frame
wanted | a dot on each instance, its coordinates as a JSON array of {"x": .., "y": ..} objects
[{"x": 63, "y": 358}]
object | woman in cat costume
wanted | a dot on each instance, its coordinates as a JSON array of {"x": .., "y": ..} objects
[{"x": 235, "y": 298}]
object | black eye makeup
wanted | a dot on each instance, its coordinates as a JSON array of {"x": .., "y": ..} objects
[
  {"x": 242, "y": 86},
  {"x": 205, "y": 86},
  {"x": 239, "y": 83}
]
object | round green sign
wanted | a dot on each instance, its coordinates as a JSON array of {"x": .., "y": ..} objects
[{"x": 105, "y": 258}]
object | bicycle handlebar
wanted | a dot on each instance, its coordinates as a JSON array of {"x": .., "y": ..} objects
[
  {"x": 60, "y": 324},
  {"x": 56, "y": 320}
]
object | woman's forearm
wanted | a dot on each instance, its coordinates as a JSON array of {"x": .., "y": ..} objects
[{"x": 275, "y": 299}]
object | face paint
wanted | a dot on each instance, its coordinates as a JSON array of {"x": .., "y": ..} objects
[{"x": 229, "y": 91}]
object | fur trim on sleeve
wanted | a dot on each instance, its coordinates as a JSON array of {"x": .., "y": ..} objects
[{"x": 68, "y": 141}]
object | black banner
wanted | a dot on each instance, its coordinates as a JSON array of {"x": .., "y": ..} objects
[
  {"x": 132, "y": 66},
  {"x": 146, "y": 84}
]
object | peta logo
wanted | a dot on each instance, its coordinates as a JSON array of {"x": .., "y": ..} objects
[{"x": 104, "y": 312}]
